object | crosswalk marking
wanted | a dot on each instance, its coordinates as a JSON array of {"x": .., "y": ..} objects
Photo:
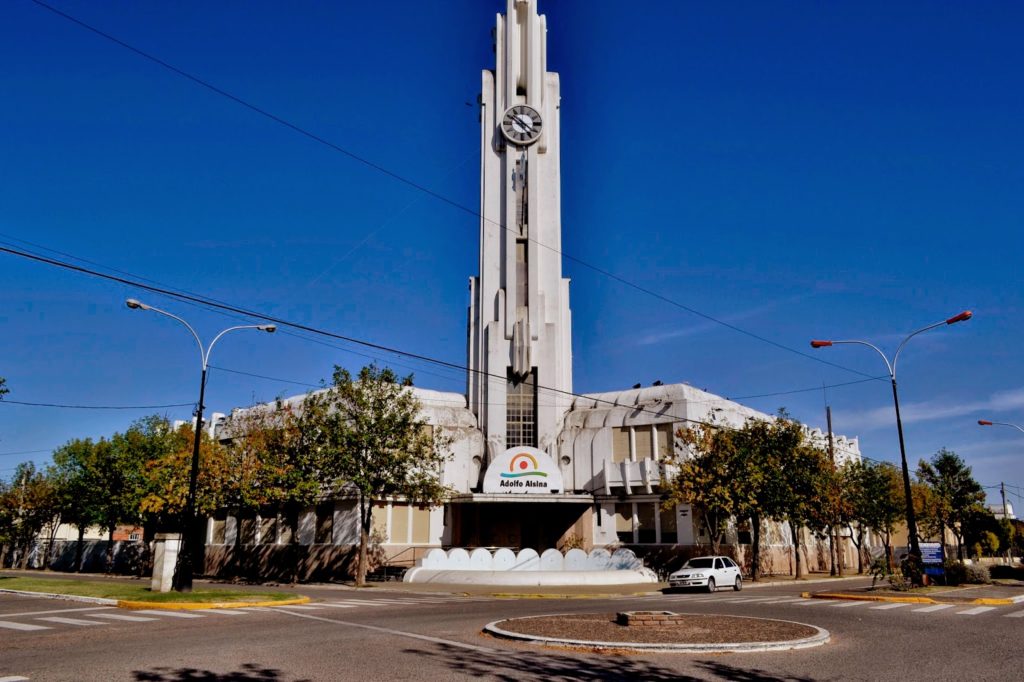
[
  {"x": 72, "y": 621},
  {"x": 11, "y": 625},
  {"x": 303, "y": 608},
  {"x": 975, "y": 611},
  {"x": 172, "y": 614},
  {"x": 897, "y": 605},
  {"x": 931, "y": 609},
  {"x": 812, "y": 602},
  {"x": 118, "y": 616},
  {"x": 339, "y": 605},
  {"x": 13, "y": 678},
  {"x": 849, "y": 604},
  {"x": 1015, "y": 614}
]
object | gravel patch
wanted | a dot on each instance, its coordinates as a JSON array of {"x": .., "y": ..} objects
[{"x": 696, "y": 629}]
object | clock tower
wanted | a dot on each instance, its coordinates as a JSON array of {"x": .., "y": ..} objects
[{"x": 520, "y": 341}]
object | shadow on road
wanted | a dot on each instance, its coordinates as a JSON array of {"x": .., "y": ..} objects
[
  {"x": 515, "y": 666},
  {"x": 249, "y": 672}
]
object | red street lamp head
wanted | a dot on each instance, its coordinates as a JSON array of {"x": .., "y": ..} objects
[
  {"x": 984, "y": 422},
  {"x": 962, "y": 317},
  {"x": 820, "y": 344}
]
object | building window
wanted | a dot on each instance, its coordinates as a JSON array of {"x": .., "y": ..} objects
[
  {"x": 642, "y": 436},
  {"x": 521, "y": 418},
  {"x": 379, "y": 529},
  {"x": 666, "y": 440},
  {"x": 399, "y": 523},
  {"x": 669, "y": 532},
  {"x": 134, "y": 536},
  {"x": 219, "y": 530},
  {"x": 268, "y": 528},
  {"x": 247, "y": 527},
  {"x": 420, "y": 526},
  {"x": 620, "y": 444},
  {"x": 624, "y": 521},
  {"x": 646, "y": 532},
  {"x": 324, "y": 534}
]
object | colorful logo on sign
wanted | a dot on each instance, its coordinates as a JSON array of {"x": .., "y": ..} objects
[{"x": 523, "y": 464}]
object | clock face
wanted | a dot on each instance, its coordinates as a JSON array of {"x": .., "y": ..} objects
[{"x": 521, "y": 125}]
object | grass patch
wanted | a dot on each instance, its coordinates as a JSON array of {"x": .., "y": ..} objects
[{"x": 108, "y": 590}]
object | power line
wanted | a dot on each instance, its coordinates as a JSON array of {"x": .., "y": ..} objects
[
  {"x": 24, "y": 452},
  {"x": 95, "y": 407},
  {"x": 306, "y": 328},
  {"x": 426, "y": 190}
]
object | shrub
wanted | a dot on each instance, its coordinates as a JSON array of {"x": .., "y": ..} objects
[
  {"x": 976, "y": 574},
  {"x": 956, "y": 572}
]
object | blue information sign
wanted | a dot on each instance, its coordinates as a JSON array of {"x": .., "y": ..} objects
[{"x": 931, "y": 553}]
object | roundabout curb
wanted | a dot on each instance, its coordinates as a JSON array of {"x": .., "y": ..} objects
[{"x": 821, "y": 637}]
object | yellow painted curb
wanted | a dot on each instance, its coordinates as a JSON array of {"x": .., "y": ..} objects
[
  {"x": 992, "y": 602},
  {"x": 195, "y": 606},
  {"x": 866, "y": 597}
]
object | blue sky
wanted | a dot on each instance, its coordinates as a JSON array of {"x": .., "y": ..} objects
[{"x": 799, "y": 170}]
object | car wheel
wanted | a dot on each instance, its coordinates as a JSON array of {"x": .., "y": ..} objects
[
  {"x": 711, "y": 584},
  {"x": 739, "y": 584}
]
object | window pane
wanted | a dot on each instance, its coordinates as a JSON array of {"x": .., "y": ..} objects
[
  {"x": 643, "y": 442},
  {"x": 420, "y": 526},
  {"x": 268, "y": 526},
  {"x": 248, "y": 530},
  {"x": 669, "y": 535},
  {"x": 665, "y": 440},
  {"x": 399, "y": 523},
  {"x": 379, "y": 530},
  {"x": 520, "y": 425},
  {"x": 645, "y": 522},
  {"x": 620, "y": 444},
  {"x": 624, "y": 521},
  {"x": 218, "y": 532},
  {"x": 324, "y": 523}
]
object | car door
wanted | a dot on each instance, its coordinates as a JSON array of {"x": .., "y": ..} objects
[
  {"x": 731, "y": 572},
  {"x": 720, "y": 573}
]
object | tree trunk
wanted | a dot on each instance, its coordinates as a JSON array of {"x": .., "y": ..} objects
[
  {"x": 79, "y": 549},
  {"x": 832, "y": 550},
  {"x": 109, "y": 562},
  {"x": 887, "y": 546},
  {"x": 755, "y": 548},
  {"x": 795, "y": 533},
  {"x": 840, "y": 555},
  {"x": 365, "y": 519}
]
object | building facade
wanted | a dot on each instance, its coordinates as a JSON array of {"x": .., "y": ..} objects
[{"x": 608, "y": 450}]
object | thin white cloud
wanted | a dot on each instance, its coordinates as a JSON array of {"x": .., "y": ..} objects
[
  {"x": 654, "y": 338},
  {"x": 931, "y": 410}
]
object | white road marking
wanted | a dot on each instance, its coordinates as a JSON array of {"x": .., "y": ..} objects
[
  {"x": 975, "y": 611},
  {"x": 1016, "y": 614},
  {"x": 389, "y": 631},
  {"x": 118, "y": 616},
  {"x": 897, "y": 605},
  {"x": 226, "y": 612},
  {"x": 72, "y": 621},
  {"x": 813, "y": 602},
  {"x": 849, "y": 604},
  {"x": 172, "y": 614},
  {"x": 46, "y": 613},
  {"x": 298, "y": 606},
  {"x": 14, "y": 678},
  {"x": 931, "y": 609},
  {"x": 788, "y": 600},
  {"x": 11, "y": 625},
  {"x": 339, "y": 605}
]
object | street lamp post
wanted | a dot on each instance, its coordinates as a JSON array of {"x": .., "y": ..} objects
[
  {"x": 915, "y": 547},
  {"x": 183, "y": 570}
]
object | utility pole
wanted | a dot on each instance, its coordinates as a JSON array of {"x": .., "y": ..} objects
[{"x": 837, "y": 554}]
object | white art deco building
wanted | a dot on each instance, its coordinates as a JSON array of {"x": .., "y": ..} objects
[{"x": 591, "y": 473}]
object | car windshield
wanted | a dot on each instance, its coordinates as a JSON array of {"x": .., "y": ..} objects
[{"x": 699, "y": 563}]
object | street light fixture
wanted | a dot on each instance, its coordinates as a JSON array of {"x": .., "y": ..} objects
[
  {"x": 985, "y": 422},
  {"x": 183, "y": 570},
  {"x": 915, "y": 547}
]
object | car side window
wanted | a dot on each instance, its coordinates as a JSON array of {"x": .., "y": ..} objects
[
  {"x": 729, "y": 563},
  {"x": 718, "y": 563}
]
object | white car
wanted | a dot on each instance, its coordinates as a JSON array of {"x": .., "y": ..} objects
[{"x": 709, "y": 572}]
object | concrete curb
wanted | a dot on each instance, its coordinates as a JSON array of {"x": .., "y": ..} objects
[
  {"x": 821, "y": 637},
  {"x": 980, "y": 601},
  {"x": 197, "y": 606},
  {"x": 68, "y": 597}
]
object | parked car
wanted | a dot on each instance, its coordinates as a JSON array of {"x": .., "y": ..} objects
[{"x": 709, "y": 572}]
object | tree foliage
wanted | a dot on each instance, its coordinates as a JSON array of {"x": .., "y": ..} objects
[
  {"x": 372, "y": 439},
  {"x": 955, "y": 493}
]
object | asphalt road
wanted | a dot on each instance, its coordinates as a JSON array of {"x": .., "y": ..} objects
[{"x": 382, "y": 635}]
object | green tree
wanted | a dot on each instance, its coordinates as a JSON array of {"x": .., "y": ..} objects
[
  {"x": 81, "y": 497},
  {"x": 875, "y": 495},
  {"x": 374, "y": 442},
  {"x": 762, "y": 445},
  {"x": 802, "y": 481},
  {"x": 707, "y": 478},
  {"x": 956, "y": 490},
  {"x": 30, "y": 504}
]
